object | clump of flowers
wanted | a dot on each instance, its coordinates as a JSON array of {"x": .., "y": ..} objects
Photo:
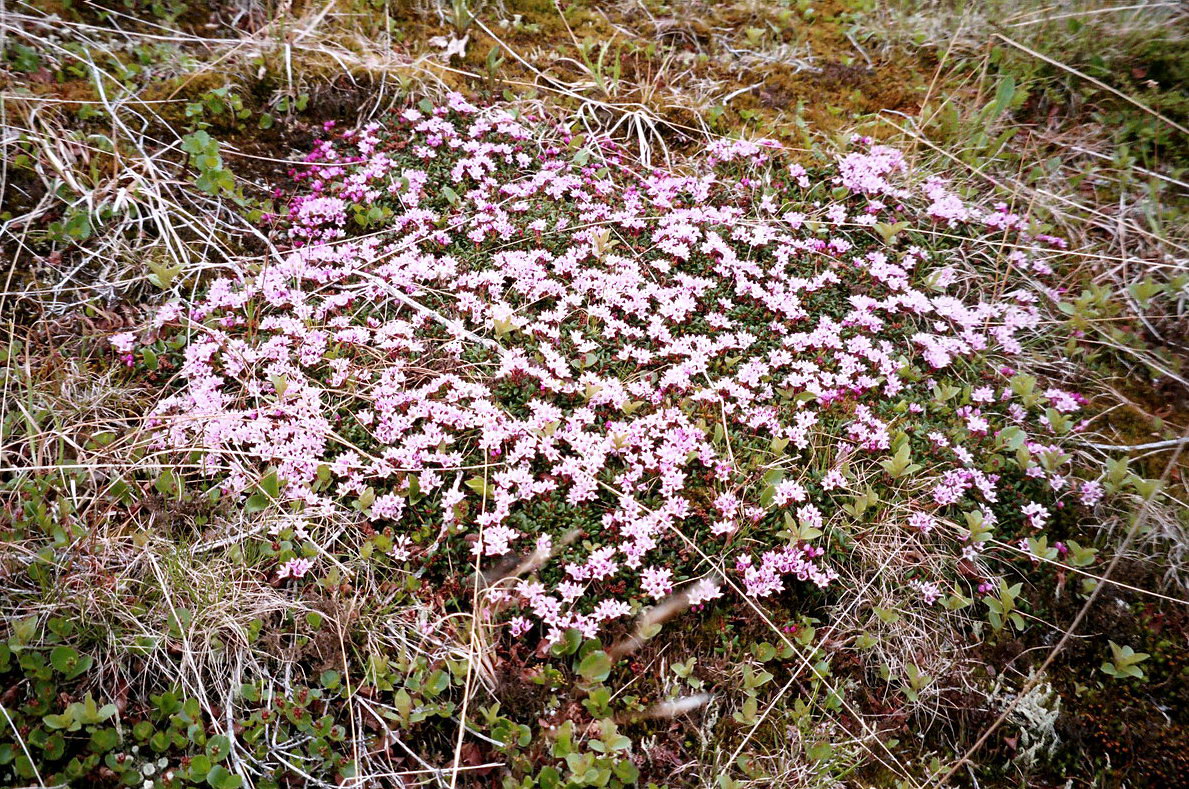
[{"x": 485, "y": 337}]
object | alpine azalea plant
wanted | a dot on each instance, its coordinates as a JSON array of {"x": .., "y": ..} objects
[{"x": 602, "y": 385}]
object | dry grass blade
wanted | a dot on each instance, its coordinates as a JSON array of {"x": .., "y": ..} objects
[{"x": 1096, "y": 82}]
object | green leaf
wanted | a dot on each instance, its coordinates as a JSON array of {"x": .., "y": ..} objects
[
  {"x": 549, "y": 778},
  {"x": 257, "y": 502},
  {"x": 1144, "y": 290},
  {"x": 1012, "y": 438},
  {"x": 569, "y": 643},
  {"x": 901, "y": 463},
  {"x": 888, "y": 615},
  {"x": 69, "y": 662},
  {"x": 271, "y": 485},
  {"x": 200, "y": 765},
  {"x": 63, "y": 721},
  {"x": 78, "y": 225},
  {"x": 104, "y": 740},
  {"x": 1079, "y": 556},
  {"x": 198, "y": 143},
  {"x": 55, "y": 745},
  {"x": 480, "y": 487},
  {"x": 438, "y": 681},
  {"x": 160, "y": 742},
  {"x": 166, "y": 483},
  {"x": 1024, "y": 386},
  {"x": 218, "y": 747},
  {"x": 220, "y": 778},
  {"x": 403, "y": 703},
  {"x": 820, "y": 751},
  {"x": 888, "y": 232},
  {"x": 1003, "y": 97},
  {"x": 596, "y": 666},
  {"x": 626, "y": 771},
  {"x": 162, "y": 275}
]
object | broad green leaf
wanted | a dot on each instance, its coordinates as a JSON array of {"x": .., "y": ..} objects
[{"x": 595, "y": 667}]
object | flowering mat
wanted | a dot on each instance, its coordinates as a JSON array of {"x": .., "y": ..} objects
[{"x": 563, "y": 400}]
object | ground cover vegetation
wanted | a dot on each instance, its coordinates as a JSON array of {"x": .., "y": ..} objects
[{"x": 773, "y": 393}]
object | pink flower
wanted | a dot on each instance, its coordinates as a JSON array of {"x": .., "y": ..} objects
[
  {"x": 922, "y": 522},
  {"x": 124, "y": 342},
  {"x": 294, "y": 568},
  {"x": 929, "y": 591},
  {"x": 703, "y": 590},
  {"x": 656, "y": 581},
  {"x": 983, "y": 394},
  {"x": 810, "y": 516},
  {"x": 1063, "y": 401},
  {"x": 1090, "y": 493},
  {"x": 833, "y": 480},
  {"x": 611, "y": 609},
  {"x": 788, "y": 490},
  {"x": 721, "y": 527},
  {"x": 1036, "y": 514}
]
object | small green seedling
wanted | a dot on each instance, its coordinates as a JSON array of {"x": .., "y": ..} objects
[{"x": 1124, "y": 662}]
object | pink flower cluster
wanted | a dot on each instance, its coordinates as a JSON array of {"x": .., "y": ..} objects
[{"x": 529, "y": 329}]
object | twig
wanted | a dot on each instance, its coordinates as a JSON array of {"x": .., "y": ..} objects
[{"x": 1169, "y": 444}]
